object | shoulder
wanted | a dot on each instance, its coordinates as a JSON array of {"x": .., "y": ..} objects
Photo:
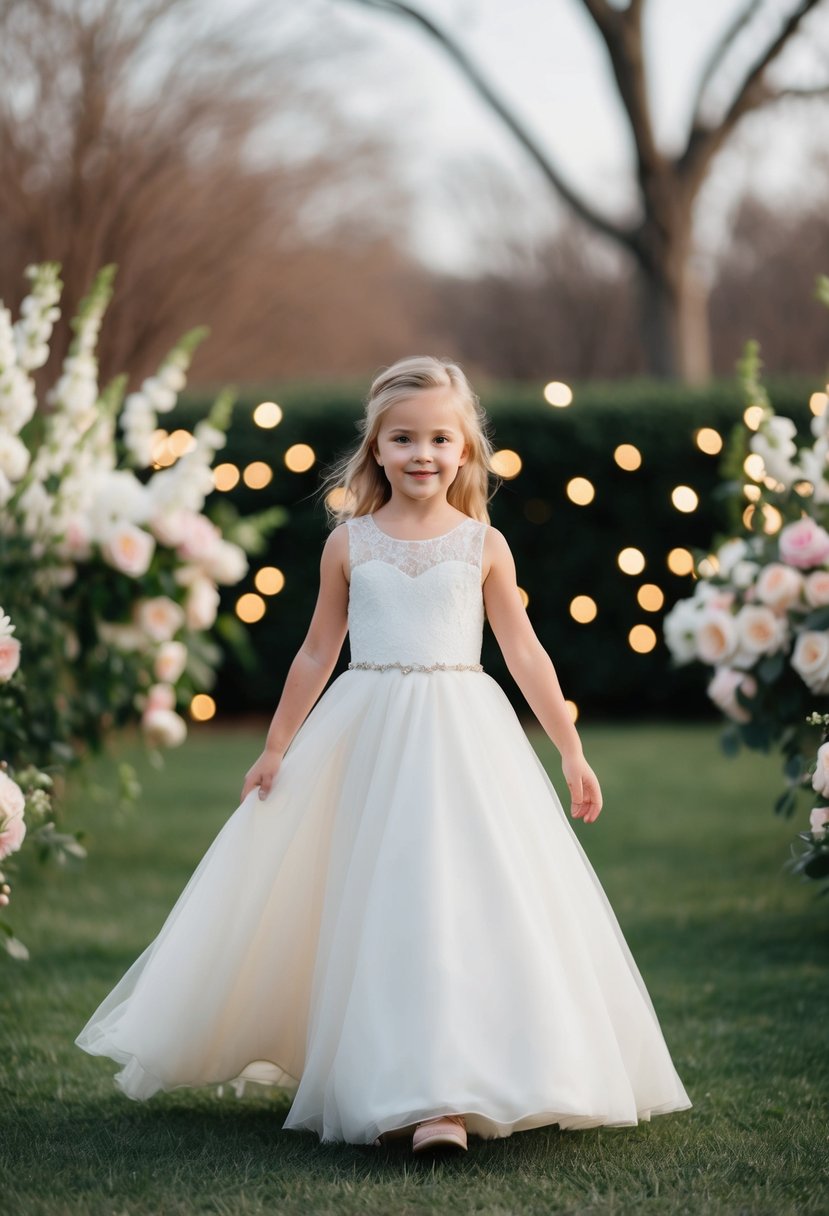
[
  {"x": 335, "y": 549},
  {"x": 497, "y": 554}
]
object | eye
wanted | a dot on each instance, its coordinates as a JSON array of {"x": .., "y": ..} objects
[
  {"x": 442, "y": 439},
  {"x": 400, "y": 439}
]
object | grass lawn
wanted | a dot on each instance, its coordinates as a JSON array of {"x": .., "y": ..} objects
[{"x": 734, "y": 952}]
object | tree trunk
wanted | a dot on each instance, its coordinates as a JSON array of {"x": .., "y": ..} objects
[{"x": 675, "y": 326}]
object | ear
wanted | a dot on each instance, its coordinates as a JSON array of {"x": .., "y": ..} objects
[
  {"x": 375, "y": 451},
  {"x": 464, "y": 454}
]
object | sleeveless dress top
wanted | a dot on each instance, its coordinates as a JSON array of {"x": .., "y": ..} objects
[{"x": 407, "y": 926}]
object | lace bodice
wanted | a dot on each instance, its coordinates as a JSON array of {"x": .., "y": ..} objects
[{"x": 415, "y": 602}]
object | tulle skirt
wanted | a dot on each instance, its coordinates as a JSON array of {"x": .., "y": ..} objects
[{"x": 405, "y": 927}]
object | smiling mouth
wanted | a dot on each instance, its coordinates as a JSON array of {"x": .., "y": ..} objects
[{"x": 423, "y": 473}]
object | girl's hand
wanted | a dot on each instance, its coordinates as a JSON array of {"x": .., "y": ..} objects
[
  {"x": 262, "y": 773},
  {"x": 583, "y": 784}
]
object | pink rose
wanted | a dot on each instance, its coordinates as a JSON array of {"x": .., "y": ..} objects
[
  {"x": 199, "y": 540},
  {"x": 818, "y": 819},
  {"x": 804, "y": 544},
  {"x": 816, "y": 588},
  {"x": 716, "y": 637},
  {"x": 820, "y": 777},
  {"x": 159, "y": 617},
  {"x": 161, "y": 696},
  {"x": 202, "y": 604},
  {"x": 170, "y": 662},
  {"x": 759, "y": 630},
  {"x": 779, "y": 586},
  {"x": 9, "y": 658},
  {"x": 810, "y": 659},
  {"x": 12, "y": 823},
  {"x": 163, "y": 728},
  {"x": 129, "y": 549},
  {"x": 722, "y": 690}
]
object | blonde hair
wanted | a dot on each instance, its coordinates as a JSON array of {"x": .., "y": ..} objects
[{"x": 359, "y": 483}]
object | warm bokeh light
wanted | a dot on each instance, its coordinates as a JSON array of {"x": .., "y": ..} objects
[
  {"x": 557, "y": 393},
  {"x": 181, "y": 442},
  {"x": 752, "y": 493},
  {"x": 250, "y": 607},
  {"x": 580, "y": 491},
  {"x": 267, "y": 415},
  {"x": 748, "y": 515},
  {"x": 753, "y": 416},
  {"x": 650, "y": 597},
  {"x": 772, "y": 519},
  {"x": 631, "y": 561},
  {"x": 160, "y": 452},
  {"x": 754, "y": 466},
  {"x": 225, "y": 476},
  {"x": 257, "y": 475},
  {"x": 299, "y": 457},
  {"x": 642, "y": 639},
  {"x": 804, "y": 488},
  {"x": 708, "y": 566},
  {"x": 708, "y": 440},
  {"x": 269, "y": 580},
  {"x": 337, "y": 498},
  {"x": 818, "y": 403},
  {"x": 680, "y": 561},
  {"x": 525, "y": 599},
  {"x": 684, "y": 499},
  {"x": 506, "y": 463},
  {"x": 574, "y": 710},
  {"x": 537, "y": 510},
  {"x": 628, "y": 457},
  {"x": 202, "y": 707},
  {"x": 583, "y": 609}
]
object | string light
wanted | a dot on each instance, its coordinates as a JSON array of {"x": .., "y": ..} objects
[
  {"x": 753, "y": 416},
  {"x": 574, "y": 710},
  {"x": 631, "y": 561},
  {"x": 558, "y": 394},
  {"x": 269, "y": 580},
  {"x": 684, "y": 499},
  {"x": 257, "y": 475},
  {"x": 650, "y": 597},
  {"x": 181, "y": 442},
  {"x": 628, "y": 457},
  {"x": 336, "y": 499},
  {"x": 202, "y": 707},
  {"x": 680, "y": 561},
  {"x": 506, "y": 463},
  {"x": 818, "y": 403},
  {"x": 250, "y": 607},
  {"x": 225, "y": 476},
  {"x": 583, "y": 609},
  {"x": 708, "y": 440},
  {"x": 525, "y": 599},
  {"x": 642, "y": 639},
  {"x": 267, "y": 415},
  {"x": 754, "y": 467},
  {"x": 580, "y": 491},
  {"x": 299, "y": 457}
]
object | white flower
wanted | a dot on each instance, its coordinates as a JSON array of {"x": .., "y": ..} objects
[
  {"x": 202, "y": 604},
  {"x": 14, "y": 456},
  {"x": 170, "y": 662},
  {"x": 818, "y": 819},
  {"x": 118, "y": 497},
  {"x": 6, "y": 626},
  {"x": 716, "y": 637},
  {"x": 129, "y": 549},
  {"x": 774, "y": 442},
  {"x": 820, "y": 778},
  {"x": 226, "y": 563},
  {"x": 160, "y": 617},
  {"x": 729, "y": 553},
  {"x": 163, "y": 728},
  {"x": 779, "y": 586},
  {"x": 811, "y": 659},
  {"x": 744, "y": 573},
  {"x": 816, "y": 588}
]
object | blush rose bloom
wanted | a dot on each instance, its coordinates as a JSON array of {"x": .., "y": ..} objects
[
  {"x": 820, "y": 778},
  {"x": 202, "y": 604},
  {"x": 12, "y": 823},
  {"x": 779, "y": 586},
  {"x": 160, "y": 696},
  {"x": 129, "y": 549},
  {"x": 759, "y": 630},
  {"x": 227, "y": 563},
  {"x": 163, "y": 728},
  {"x": 811, "y": 659},
  {"x": 722, "y": 690},
  {"x": 816, "y": 588},
  {"x": 199, "y": 539},
  {"x": 170, "y": 662},
  {"x": 716, "y": 637},
  {"x": 9, "y": 658},
  {"x": 159, "y": 617},
  {"x": 804, "y": 544},
  {"x": 818, "y": 819}
]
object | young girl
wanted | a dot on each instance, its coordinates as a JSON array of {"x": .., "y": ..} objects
[{"x": 398, "y": 918}]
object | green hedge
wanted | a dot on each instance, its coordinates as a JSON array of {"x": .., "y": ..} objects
[{"x": 561, "y": 550}]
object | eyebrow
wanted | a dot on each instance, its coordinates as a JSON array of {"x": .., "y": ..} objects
[{"x": 407, "y": 430}]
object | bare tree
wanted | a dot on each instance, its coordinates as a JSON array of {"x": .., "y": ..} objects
[
  {"x": 222, "y": 182},
  {"x": 660, "y": 239}
]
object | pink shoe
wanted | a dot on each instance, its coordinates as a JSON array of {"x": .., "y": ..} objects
[{"x": 445, "y": 1131}]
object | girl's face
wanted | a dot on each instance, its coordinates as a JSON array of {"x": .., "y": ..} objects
[{"x": 420, "y": 444}]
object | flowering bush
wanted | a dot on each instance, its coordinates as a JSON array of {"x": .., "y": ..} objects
[
  {"x": 759, "y": 614},
  {"x": 109, "y": 567}
]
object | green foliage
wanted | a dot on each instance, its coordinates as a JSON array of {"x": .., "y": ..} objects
[{"x": 561, "y": 550}]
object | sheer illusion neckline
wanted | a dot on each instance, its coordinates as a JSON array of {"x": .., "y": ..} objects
[{"x": 424, "y": 540}]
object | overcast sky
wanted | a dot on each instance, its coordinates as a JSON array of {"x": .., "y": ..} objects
[{"x": 546, "y": 60}]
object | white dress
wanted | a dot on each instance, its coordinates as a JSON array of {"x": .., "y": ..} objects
[{"x": 407, "y": 925}]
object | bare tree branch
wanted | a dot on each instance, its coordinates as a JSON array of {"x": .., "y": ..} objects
[
  {"x": 718, "y": 55},
  {"x": 542, "y": 159}
]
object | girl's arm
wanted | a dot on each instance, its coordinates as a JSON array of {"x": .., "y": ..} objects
[
  {"x": 533, "y": 671},
  {"x": 312, "y": 667}
]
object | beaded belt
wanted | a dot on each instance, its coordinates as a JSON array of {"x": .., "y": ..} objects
[{"x": 408, "y": 667}]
